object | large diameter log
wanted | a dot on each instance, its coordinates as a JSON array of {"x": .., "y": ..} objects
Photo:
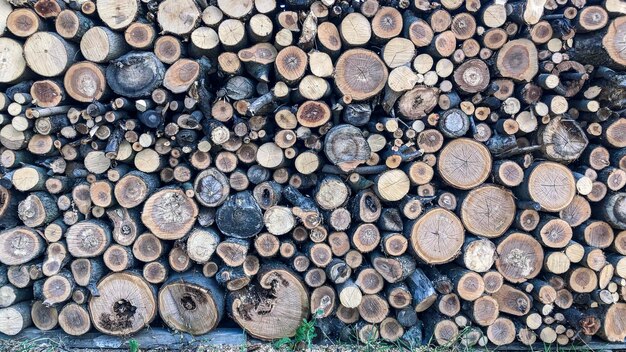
[
  {"x": 85, "y": 82},
  {"x": 550, "y": 184},
  {"x": 613, "y": 329},
  {"x": 127, "y": 304},
  {"x": 20, "y": 245},
  {"x": 15, "y": 318},
  {"x": 48, "y": 54},
  {"x": 488, "y": 211},
  {"x": 178, "y": 17},
  {"x": 520, "y": 257},
  {"x": 88, "y": 238},
  {"x": 135, "y": 74},
  {"x": 512, "y": 301},
  {"x": 100, "y": 44},
  {"x": 360, "y": 74},
  {"x": 272, "y": 307},
  {"x": 517, "y": 59},
  {"x": 345, "y": 146},
  {"x": 169, "y": 213},
  {"x": 562, "y": 140},
  {"x": 134, "y": 187},
  {"x": 12, "y": 63},
  {"x": 240, "y": 216},
  {"x": 464, "y": 163},
  {"x": 191, "y": 303},
  {"x": 433, "y": 243}
]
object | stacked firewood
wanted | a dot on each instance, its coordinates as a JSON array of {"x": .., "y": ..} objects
[{"x": 449, "y": 171}]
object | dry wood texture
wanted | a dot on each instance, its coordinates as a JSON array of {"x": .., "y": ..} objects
[{"x": 417, "y": 171}]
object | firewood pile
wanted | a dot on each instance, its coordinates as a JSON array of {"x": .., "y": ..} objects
[{"x": 403, "y": 170}]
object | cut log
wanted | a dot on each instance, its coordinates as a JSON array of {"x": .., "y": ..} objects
[
  {"x": 191, "y": 303},
  {"x": 464, "y": 163},
  {"x": 432, "y": 243},
  {"x": 20, "y": 245},
  {"x": 169, "y": 213},
  {"x": 520, "y": 257},
  {"x": 272, "y": 307},
  {"x": 360, "y": 74},
  {"x": 135, "y": 74},
  {"x": 488, "y": 211},
  {"x": 126, "y": 304}
]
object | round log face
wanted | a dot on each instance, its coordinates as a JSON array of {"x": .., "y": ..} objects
[
  {"x": 169, "y": 214},
  {"x": 437, "y": 236},
  {"x": 12, "y": 62},
  {"x": 19, "y": 245},
  {"x": 551, "y": 185},
  {"x": 188, "y": 307},
  {"x": 519, "y": 257},
  {"x": 488, "y": 211},
  {"x": 464, "y": 163},
  {"x": 85, "y": 82},
  {"x": 126, "y": 304},
  {"x": 613, "y": 40},
  {"x": 46, "y": 54},
  {"x": 360, "y": 74},
  {"x": 273, "y": 309}
]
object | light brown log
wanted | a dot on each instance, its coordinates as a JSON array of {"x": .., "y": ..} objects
[{"x": 426, "y": 236}]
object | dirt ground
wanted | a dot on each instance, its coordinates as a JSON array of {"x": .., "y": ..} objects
[{"x": 50, "y": 346}]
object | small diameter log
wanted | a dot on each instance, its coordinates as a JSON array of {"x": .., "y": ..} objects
[
  {"x": 191, "y": 303},
  {"x": 279, "y": 289}
]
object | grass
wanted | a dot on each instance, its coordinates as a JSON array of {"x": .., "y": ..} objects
[
  {"x": 40, "y": 344},
  {"x": 133, "y": 345},
  {"x": 303, "y": 339}
]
